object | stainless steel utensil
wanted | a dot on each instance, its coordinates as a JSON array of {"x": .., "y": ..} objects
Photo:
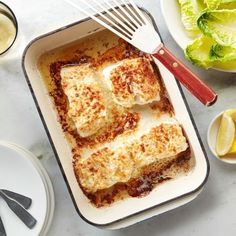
[
  {"x": 20, "y": 211},
  {"x": 2, "y": 229},
  {"x": 23, "y": 200},
  {"x": 128, "y": 22}
]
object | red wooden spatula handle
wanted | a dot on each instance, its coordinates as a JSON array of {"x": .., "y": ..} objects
[{"x": 199, "y": 89}]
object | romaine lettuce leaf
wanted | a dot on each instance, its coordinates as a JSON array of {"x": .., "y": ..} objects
[
  {"x": 212, "y": 4},
  {"x": 190, "y": 11},
  {"x": 220, "y": 25},
  {"x": 222, "y": 53},
  {"x": 228, "y": 4},
  {"x": 198, "y": 52},
  {"x": 227, "y": 1}
]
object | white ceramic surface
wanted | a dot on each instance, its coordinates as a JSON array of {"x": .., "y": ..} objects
[
  {"x": 171, "y": 190},
  {"x": 152, "y": 212},
  {"x": 20, "y": 175},
  {"x": 171, "y": 12},
  {"x": 212, "y": 137}
]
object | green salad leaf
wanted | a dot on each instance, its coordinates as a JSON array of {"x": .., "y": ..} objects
[
  {"x": 228, "y": 4},
  {"x": 222, "y": 53},
  {"x": 219, "y": 25},
  {"x": 212, "y": 4},
  {"x": 214, "y": 21},
  {"x": 198, "y": 52},
  {"x": 190, "y": 11},
  {"x": 205, "y": 52},
  {"x": 227, "y": 1}
]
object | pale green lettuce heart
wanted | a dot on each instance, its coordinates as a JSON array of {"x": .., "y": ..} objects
[
  {"x": 219, "y": 25},
  {"x": 222, "y": 53},
  {"x": 190, "y": 12},
  {"x": 198, "y": 52}
]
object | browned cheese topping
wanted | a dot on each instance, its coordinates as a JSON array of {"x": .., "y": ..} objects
[
  {"x": 106, "y": 167},
  {"x": 87, "y": 106},
  {"x": 134, "y": 82}
]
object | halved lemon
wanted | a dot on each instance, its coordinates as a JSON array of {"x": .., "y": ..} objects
[{"x": 225, "y": 137}]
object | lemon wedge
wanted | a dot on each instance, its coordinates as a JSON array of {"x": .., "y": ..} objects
[
  {"x": 232, "y": 113},
  {"x": 225, "y": 137},
  {"x": 233, "y": 148}
]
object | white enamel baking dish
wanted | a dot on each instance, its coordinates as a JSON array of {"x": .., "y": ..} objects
[{"x": 169, "y": 192}]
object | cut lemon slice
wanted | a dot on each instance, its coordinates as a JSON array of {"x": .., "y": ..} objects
[
  {"x": 232, "y": 113},
  {"x": 233, "y": 148},
  {"x": 225, "y": 137}
]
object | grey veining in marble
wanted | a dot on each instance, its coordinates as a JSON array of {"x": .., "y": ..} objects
[{"x": 212, "y": 213}]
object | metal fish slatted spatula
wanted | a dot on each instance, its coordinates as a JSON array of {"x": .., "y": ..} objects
[{"x": 126, "y": 20}]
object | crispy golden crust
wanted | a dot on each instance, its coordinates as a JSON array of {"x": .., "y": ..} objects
[
  {"x": 87, "y": 106},
  {"x": 126, "y": 170},
  {"x": 161, "y": 142},
  {"x": 151, "y": 175},
  {"x": 124, "y": 121},
  {"x": 134, "y": 82},
  {"x": 106, "y": 167}
]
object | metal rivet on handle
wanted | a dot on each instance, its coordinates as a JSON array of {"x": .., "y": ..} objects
[
  {"x": 162, "y": 52},
  {"x": 175, "y": 64}
]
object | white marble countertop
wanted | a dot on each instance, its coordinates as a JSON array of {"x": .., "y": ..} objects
[{"x": 212, "y": 213}]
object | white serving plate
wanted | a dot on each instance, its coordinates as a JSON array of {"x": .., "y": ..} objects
[
  {"x": 163, "y": 194},
  {"x": 22, "y": 173},
  {"x": 45, "y": 178},
  {"x": 171, "y": 13}
]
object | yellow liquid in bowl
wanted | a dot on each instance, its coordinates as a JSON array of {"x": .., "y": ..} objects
[{"x": 7, "y": 32}]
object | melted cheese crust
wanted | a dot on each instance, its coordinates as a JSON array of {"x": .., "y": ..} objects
[
  {"x": 87, "y": 107},
  {"x": 106, "y": 167},
  {"x": 133, "y": 81}
]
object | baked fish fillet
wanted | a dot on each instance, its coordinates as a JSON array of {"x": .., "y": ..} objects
[
  {"x": 133, "y": 82},
  {"x": 107, "y": 167},
  {"x": 87, "y": 108}
]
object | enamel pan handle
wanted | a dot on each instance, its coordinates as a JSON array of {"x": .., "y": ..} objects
[{"x": 199, "y": 89}]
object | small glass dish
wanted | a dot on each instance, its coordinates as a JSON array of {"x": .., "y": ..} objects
[
  {"x": 212, "y": 137},
  {"x": 8, "y": 28}
]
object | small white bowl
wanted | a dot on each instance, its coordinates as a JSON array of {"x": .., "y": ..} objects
[
  {"x": 171, "y": 13},
  {"x": 211, "y": 139}
]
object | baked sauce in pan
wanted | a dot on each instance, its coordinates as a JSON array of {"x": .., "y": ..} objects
[{"x": 100, "y": 50}]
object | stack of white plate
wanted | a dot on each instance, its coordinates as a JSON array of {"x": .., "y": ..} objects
[{"x": 21, "y": 172}]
